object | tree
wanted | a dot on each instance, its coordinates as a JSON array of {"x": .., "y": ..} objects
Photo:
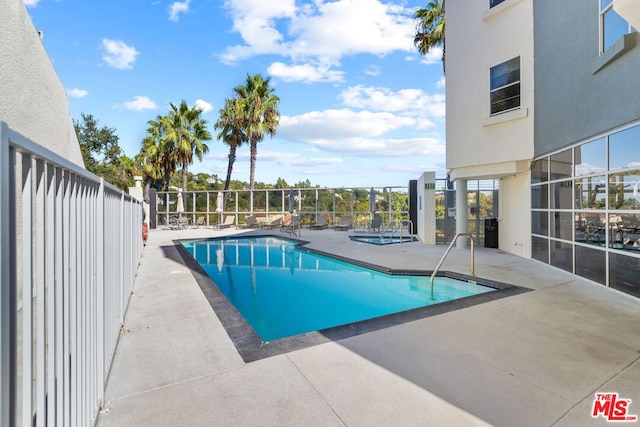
[
  {"x": 101, "y": 152},
  {"x": 260, "y": 114},
  {"x": 157, "y": 154},
  {"x": 232, "y": 132},
  {"x": 430, "y": 28},
  {"x": 185, "y": 132}
]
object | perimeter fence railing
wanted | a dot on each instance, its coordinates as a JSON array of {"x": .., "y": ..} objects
[
  {"x": 210, "y": 208},
  {"x": 70, "y": 244}
]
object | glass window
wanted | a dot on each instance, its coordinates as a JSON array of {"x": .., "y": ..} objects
[
  {"x": 561, "y": 165},
  {"x": 493, "y": 3},
  {"x": 624, "y": 190},
  {"x": 505, "y": 86},
  {"x": 540, "y": 249},
  {"x": 624, "y": 272},
  {"x": 540, "y": 170},
  {"x": 590, "y": 193},
  {"x": 590, "y": 264},
  {"x": 561, "y": 225},
  {"x": 562, "y": 195},
  {"x": 539, "y": 198},
  {"x": 624, "y": 149},
  {"x": 561, "y": 255},
  {"x": 539, "y": 223},
  {"x": 591, "y": 157},
  {"x": 612, "y": 25},
  {"x": 590, "y": 228}
]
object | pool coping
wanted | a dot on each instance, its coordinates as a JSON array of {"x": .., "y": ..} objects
[{"x": 251, "y": 347}]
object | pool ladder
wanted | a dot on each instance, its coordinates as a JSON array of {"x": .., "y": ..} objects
[
  {"x": 473, "y": 261},
  {"x": 394, "y": 227}
]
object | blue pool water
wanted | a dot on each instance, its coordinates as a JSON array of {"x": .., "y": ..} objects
[
  {"x": 282, "y": 290},
  {"x": 377, "y": 240}
]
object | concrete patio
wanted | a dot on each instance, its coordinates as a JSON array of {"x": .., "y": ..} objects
[{"x": 532, "y": 359}]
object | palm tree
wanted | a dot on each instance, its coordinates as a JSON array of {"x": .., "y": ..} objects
[
  {"x": 430, "y": 28},
  {"x": 231, "y": 125},
  {"x": 185, "y": 131},
  {"x": 158, "y": 154},
  {"x": 260, "y": 114}
]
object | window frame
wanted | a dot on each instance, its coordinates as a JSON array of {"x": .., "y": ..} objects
[
  {"x": 506, "y": 86},
  {"x": 602, "y": 12}
]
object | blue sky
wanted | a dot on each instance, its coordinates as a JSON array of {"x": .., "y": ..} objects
[{"x": 359, "y": 106}]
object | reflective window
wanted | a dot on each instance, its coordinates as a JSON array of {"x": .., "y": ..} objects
[
  {"x": 624, "y": 272},
  {"x": 561, "y": 225},
  {"x": 561, "y": 165},
  {"x": 562, "y": 195},
  {"x": 540, "y": 249},
  {"x": 561, "y": 255},
  {"x": 591, "y": 264},
  {"x": 624, "y": 149},
  {"x": 505, "y": 86},
  {"x": 539, "y": 223},
  {"x": 591, "y": 158},
  {"x": 624, "y": 191},
  {"x": 590, "y": 193},
  {"x": 539, "y": 199},
  {"x": 590, "y": 228},
  {"x": 625, "y": 231},
  {"x": 612, "y": 25},
  {"x": 539, "y": 170},
  {"x": 493, "y": 3}
]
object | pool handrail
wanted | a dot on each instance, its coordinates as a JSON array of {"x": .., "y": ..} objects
[
  {"x": 396, "y": 228},
  {"x": 473, "y": 269}
]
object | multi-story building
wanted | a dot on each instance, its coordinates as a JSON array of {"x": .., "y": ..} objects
[{"x": 544, "y": 95}]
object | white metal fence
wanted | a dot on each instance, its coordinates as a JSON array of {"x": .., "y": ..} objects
[{"x": 70, "y": 244}]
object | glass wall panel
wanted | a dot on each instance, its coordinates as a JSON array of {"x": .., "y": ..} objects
[
  {"x": 624, "y": 149},
  {"x": 539, "y": 199},
  {"x": 624, "y": 190},
  {"x": 561, "y": 165},
  {"x": 590, "y": 228},
  {"x": 540, "y": 170},
  {"x": 561, "y": 225},
  {"x": 624, "y": 272},
  {"x": 591, "y": 193},
  {"x": 561, "y": 255},
  {"x": 562, "y": 195},
  {"x": 627, "y": 228},
  {"x": 540, "y": 249},
  {"x": 591, "y": 157},
  {"x": 591, "y": 264},
  {"x": 539, "y": 223}
]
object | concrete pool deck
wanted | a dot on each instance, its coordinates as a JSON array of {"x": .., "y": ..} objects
[{"x": 532, "y": 359}]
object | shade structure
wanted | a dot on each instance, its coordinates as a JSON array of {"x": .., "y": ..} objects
[
  {"x": 220, "y": 202},
  {"x": 372, "y": 200},
  {"x": 180, "y": 203}
]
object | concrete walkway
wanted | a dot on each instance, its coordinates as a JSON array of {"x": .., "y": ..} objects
[{"x": 533, "y": 359}]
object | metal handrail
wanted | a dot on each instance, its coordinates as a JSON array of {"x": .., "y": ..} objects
[
  {"x": 473, "y": 268},
  {"x": 402, "y": 223}
]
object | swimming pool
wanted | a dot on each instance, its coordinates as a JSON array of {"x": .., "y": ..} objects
[
  {"x": 380, "y": 240},
  {"x": 283, "y": 290}
]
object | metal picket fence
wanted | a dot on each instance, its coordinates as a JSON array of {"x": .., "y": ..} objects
[{"x": 70, "y": 244}]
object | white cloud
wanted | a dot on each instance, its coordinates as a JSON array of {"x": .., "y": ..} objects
[
  {"x": 30, "y": 3},
  {"x": 372, "y": 70},
  {"x": 140, "y": 103},
  {"x": 363, "y": 133},
  {"x": 321, "y": 32},
  {"x": 434, "y": 56},
  {"x": 408, "y": 102},
  {"x": 203, "y": 105},
  {"x": 77, "y": 93},
  {"x": 442, "y": 83},
  {"x": 304, "y": 73},
  {"x": 118, "y": 54},
  {"x": 177, "y": 8}
]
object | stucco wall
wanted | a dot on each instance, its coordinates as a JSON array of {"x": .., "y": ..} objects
[
  {"x": 478, "y": 38},
  {"x": 514, "y": 228},
  {"x": 574, "y": 101},
  {"x": 33, "y": 101}
]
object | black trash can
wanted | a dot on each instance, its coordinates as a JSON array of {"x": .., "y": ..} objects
[{"x": 491, "y": 233}]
